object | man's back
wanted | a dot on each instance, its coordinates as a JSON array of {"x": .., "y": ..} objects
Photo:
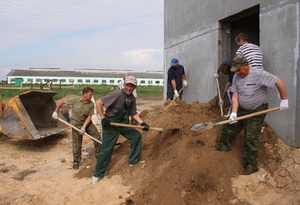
[{"x": 252, "y": 53}]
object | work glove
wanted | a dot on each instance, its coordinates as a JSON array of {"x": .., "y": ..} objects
[
  {"x": 55, "y": 115},
  {"x": 233, "y": 115},
  {"x": 216, "y": 75},
  {"x": 176, "y": 94},
  {"x": 146, "y": 127},
  {"x": 221, "y": 102},
  {"x": 284, "y": 104},
  {"x": 185, "y": 83},
  {"x": 96, "y": 120},
  {"x": 82, "y": 130},
  {"x": 105, "y": 122}
]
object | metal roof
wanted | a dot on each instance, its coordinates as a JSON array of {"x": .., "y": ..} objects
[{"x": 65, "y": 73}]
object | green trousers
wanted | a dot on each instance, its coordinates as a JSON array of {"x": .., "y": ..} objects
[
  {"x": 252, "y": 127},
  {"x": 110, "y": 136},
  {"x": 77, "y": 141}
]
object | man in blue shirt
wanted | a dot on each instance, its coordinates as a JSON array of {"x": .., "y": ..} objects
[{"x": 176, "y": 79}]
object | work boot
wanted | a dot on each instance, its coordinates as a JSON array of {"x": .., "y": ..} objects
[
  {"x": 249, "y": 170},
  {"x": 75, "y": 165},
  {"x": 140, "y": 162},
  {"x": 95, "y": 180}
]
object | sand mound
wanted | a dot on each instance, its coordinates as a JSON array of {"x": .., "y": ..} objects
[{"x": 182, "y": 166}]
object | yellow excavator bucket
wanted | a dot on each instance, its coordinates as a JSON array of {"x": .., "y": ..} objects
[{"x": 29, "y": 116}]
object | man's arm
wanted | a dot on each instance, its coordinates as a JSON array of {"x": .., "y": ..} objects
[
  {"x": 58, "y": 106},
  {"x": 87, "y": 121},
  {"x": 284, "y": 103},
  {"x": 99, "y": 107},
  {"x": 173, "y": 82},
  {"x": 228, "y": 84},
  {"x": 60, "y": 103},
  {"x": 281, "y": 89},
  {"x": 141, "y": 122},
  {"x": 184, "y": 76},
  {"x": 235, "y": 102}
]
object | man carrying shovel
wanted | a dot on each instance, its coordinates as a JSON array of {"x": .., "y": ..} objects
[
  {"x": 249, "y": 96},
  {"x": 119, "y": 104},
  {"x": 82, "y": 110},
  {"x": 176, "y": 80}
]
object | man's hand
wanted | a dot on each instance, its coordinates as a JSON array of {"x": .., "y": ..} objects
[
  {"x": 216, "y": 75},
  {"x": 221, "y": 102},
  {"x": 185, "y": 83},
  {"x": 233, "y": 115},
  {"x": 55, "y": 115},
  {"x": 82, "y": 130},
  {"x": 105, "y": 122},
  {"x": 176, "y": 94},
  {"x": 146, "y": 127},
  {"x": 284, "y": 104}
]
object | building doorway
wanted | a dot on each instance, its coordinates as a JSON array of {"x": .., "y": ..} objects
[{"x": 246, "y": 21}]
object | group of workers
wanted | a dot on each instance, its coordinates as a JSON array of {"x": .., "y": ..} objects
[{"x": 247, "y": 88}]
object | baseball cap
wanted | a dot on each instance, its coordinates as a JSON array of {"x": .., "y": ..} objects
[
  {"x": 174, "y": 61},
  {"x": 131, "y": 79},
  {"x": 237, "y": 62}
]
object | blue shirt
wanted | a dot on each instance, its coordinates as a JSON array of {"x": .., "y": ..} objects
[{"x": 175, "y": 73}]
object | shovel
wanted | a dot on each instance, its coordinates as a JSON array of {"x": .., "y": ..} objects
[
  {"x": 219, "y": 93},
  {"x": 135, "y": 126},
  {"x": 211, "y": 125},
  {"x": 179, "y": 92},
  {"x": 75, "y": 128}
]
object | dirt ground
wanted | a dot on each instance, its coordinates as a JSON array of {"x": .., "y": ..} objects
[{"x": 182, "y": 166}]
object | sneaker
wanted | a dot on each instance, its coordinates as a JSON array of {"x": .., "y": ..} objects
[
  {"x": 75, "y": 165},
  {"x": 249, "y": 170},
  {"x": 95, "y": 180},
  {"x": 140, "y": 162}
]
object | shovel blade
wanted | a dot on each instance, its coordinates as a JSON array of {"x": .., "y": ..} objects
[{"x": 201, "y": 126}]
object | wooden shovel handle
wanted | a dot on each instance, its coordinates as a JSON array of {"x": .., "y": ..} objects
[
  {"x": 219, "y": 93},
  {"x": 135, "y": 126},
  {"x": 248, "y": 116},
  {"x": 75, "y": 128}
]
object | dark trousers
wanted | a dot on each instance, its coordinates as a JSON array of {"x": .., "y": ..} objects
[{"x": 252, "y": 127}]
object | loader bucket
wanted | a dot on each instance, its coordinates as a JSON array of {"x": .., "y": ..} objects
[{"x": 29, "y": 116}]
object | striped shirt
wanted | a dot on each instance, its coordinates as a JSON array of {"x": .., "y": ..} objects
[
  {"x": 252, "y": 89},
  {"x": 252, "y": 53}
]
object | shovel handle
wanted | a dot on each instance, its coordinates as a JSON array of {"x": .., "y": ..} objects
[
  {"x": 75, "y": 128},
  {"x": 179, "y": 92},
  {"x": 248, "y": 116},
  {"x": 135, "y": 126},
  {"x": 219, "y": 94}
]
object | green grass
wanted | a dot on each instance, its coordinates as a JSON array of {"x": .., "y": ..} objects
[{"x": 99, "y": 91}]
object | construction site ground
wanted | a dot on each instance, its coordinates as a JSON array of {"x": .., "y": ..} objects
[{"x": 182, "y": 166}]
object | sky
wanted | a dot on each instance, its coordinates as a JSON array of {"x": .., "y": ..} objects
[{"x": 90, "y": 34}]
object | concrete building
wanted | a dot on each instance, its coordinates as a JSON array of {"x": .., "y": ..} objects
[
  {"x": 83, "y": 76},
  {"x": 201, "y": 35}
]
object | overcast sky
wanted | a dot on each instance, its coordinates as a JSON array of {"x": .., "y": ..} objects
[{"x": 68, "y": 34}]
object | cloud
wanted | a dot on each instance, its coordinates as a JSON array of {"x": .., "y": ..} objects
[
  {"x": 81, "y": 33},
  {"x": 141, "y": 56}
]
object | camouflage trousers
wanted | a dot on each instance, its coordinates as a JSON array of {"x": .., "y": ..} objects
[
  {"x": 252, "y": 127},
  {"x": 77, "y": 141}
]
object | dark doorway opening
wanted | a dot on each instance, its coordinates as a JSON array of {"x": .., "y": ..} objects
[{"x": 246, "y": 21}]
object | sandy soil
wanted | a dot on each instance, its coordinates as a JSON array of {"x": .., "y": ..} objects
[{"x": 182, "y": 166}]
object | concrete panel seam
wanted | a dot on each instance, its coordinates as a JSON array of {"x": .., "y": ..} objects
[
  {"x": 193, "y": 37},
  {"x": 274, "y": 7}
]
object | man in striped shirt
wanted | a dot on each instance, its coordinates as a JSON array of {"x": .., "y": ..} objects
[
  {"x": 250, "y": 51},
  {"x": 249, "y": 96}
]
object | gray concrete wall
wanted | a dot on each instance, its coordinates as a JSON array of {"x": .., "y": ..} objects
[{"x": 193, "y": 33}]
